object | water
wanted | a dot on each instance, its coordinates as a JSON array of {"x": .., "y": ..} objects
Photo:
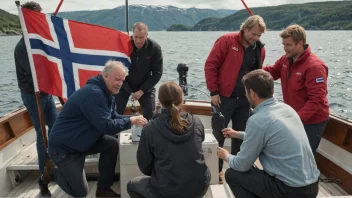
[{"x": 192, "y": 48}]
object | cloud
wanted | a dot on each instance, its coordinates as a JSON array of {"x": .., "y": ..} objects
[{"x": 49, "y": 6}]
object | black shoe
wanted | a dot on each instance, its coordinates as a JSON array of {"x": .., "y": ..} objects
[
  {"x": 44, "y": 189},
  {"x": 106, "y": 193}
]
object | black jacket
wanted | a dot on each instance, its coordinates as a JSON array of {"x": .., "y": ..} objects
[
  {"x": 23, "y": 68},
  {"x": 174, "y": 161},
  {"x": 146, "y": 68}
]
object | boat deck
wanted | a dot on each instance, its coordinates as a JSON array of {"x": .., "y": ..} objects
[{"x": 27, "y": 160}]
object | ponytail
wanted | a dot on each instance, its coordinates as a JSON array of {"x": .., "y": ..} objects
[
  {"x": 170, "y": 97},
  {"x": 177, "y": 122}
]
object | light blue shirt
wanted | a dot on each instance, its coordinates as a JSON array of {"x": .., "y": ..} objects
[{"x": 276, "y": 135}]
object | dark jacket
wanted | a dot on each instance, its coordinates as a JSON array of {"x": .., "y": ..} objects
[
  {"x": 23, "y": 68},
  {"x": 304, "y": 85},
  {"x": 146, "y": 68},
  {"x": 88, "y": 114},
  {"x": 224, "y": 63},
  {"x": 174, "y": 161}
]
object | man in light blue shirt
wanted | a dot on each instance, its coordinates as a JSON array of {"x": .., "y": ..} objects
[{"x": 276, "y": 135}]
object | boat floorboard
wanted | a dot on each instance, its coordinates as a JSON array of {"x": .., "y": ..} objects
[{"x": 27, "y": 160}]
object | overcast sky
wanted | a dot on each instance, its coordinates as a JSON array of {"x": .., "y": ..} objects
[{"x": 49, "y": 6}]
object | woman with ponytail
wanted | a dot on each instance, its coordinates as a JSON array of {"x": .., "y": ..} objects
[{"x": 170, "y": 152}]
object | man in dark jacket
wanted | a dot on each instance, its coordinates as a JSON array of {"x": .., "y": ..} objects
[
  {"x": 25, "y": 83},
  {"x": 233, "y": 56},
  {"x": 304, "y": 82},
  {"x": 144, "y": 73},
  {"x": 86, "y": 125}
]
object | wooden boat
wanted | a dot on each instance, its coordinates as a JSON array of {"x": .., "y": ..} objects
[{"x": 19, "y": 166}]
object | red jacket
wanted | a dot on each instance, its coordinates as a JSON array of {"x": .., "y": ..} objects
[
  {"x": 304, "y": 86},
  {"x": 224, "y": 62}
]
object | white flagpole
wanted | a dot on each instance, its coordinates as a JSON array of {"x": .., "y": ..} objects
[{"x": 34, "y": 74}]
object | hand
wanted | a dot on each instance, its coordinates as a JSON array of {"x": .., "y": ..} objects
[
  {"x": 230, "y": 133},
  {"x": 138, "y": 120},
  {"x": 137, "y": 95},
  {"x": 223, "y": 153},
  {"x": 216, "y": 100}
]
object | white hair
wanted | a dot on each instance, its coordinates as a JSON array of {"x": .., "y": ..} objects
[{"x": 110, "y": 65}]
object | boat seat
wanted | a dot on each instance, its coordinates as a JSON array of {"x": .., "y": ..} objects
[{"x": 27, "y": 160}]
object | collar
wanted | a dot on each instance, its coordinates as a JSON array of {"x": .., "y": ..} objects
[{"x": 266, "y": 102}]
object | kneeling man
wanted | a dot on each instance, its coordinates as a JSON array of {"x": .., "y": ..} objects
[
  {"x": 86, "y": 125},
  {"x": 276, "y": 135}
]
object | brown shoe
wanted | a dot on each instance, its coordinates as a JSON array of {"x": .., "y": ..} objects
[
  {"x": 221, "y": 177},
  {"x": 49, "y": 166},
  {"x": 106, "y": 193}
]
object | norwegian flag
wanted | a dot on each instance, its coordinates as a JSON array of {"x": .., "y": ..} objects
[{"x": 64, "y": 54}]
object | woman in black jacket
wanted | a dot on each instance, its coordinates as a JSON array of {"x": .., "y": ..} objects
[{"x": 170, "y": 152}]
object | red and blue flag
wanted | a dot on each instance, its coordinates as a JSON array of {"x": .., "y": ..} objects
[{"x": 67, "y": 53}]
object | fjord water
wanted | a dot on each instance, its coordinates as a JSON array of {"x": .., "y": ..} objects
[{"x": 192, "y": 48}]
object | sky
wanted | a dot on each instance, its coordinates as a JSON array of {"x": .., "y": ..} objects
[{"x": 49, "y": 6}]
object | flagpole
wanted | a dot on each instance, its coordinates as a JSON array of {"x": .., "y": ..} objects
[
  {"x": 248, "y": 10},
  {"x": 126, "y": 17},
  {"x": 58, "y": 8},
  {"x": 34, "y": 74}
]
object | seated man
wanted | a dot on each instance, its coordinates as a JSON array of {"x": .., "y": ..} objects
[
  {"x": 86, "y": 125},
  {"x": 170, "y": 152},
  {"x": 276, "y": 135}
]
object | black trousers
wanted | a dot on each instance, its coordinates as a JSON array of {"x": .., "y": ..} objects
[
  {"x": 314, "y": 133},
  {"x": 237, "y": 110},
  {"x": 147, "y": 102},
  {"x": 257, "y": 183}
]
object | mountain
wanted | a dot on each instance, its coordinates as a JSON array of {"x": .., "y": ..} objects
[
  {"x": 156, "y": 17},
  {"x": 9, "y": 22},
  {"x": 333, "y": 15}
]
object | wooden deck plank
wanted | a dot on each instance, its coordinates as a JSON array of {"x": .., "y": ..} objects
[
  {"x": 25, "y": 154},
  {"x": 55, "y": 189},
  {"x": 335, "y": 187},
  {"x": 91, "y": 193},
  {"x": 29, "y": 188},
  {"x": 324, "y": 192}
]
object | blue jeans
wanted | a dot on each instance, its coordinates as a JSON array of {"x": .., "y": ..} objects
[
  {"x": 70, "y": 174},
  {"x": 49, "y": 112}
]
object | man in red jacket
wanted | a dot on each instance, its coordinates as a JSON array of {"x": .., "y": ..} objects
[
  {"x": 304, "y": 82},
  {"x": 233, "y": 55}
]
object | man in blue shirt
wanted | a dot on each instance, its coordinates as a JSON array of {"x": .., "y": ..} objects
[{"x": 276, "y": 135}]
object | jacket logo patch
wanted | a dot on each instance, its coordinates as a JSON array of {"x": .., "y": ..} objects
[
  {"x": 298, "y": 73},
  {"x": 235, "y": 48},
  {"x": 319, "y": 80},
  {"x": 284, "y": 65}
]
